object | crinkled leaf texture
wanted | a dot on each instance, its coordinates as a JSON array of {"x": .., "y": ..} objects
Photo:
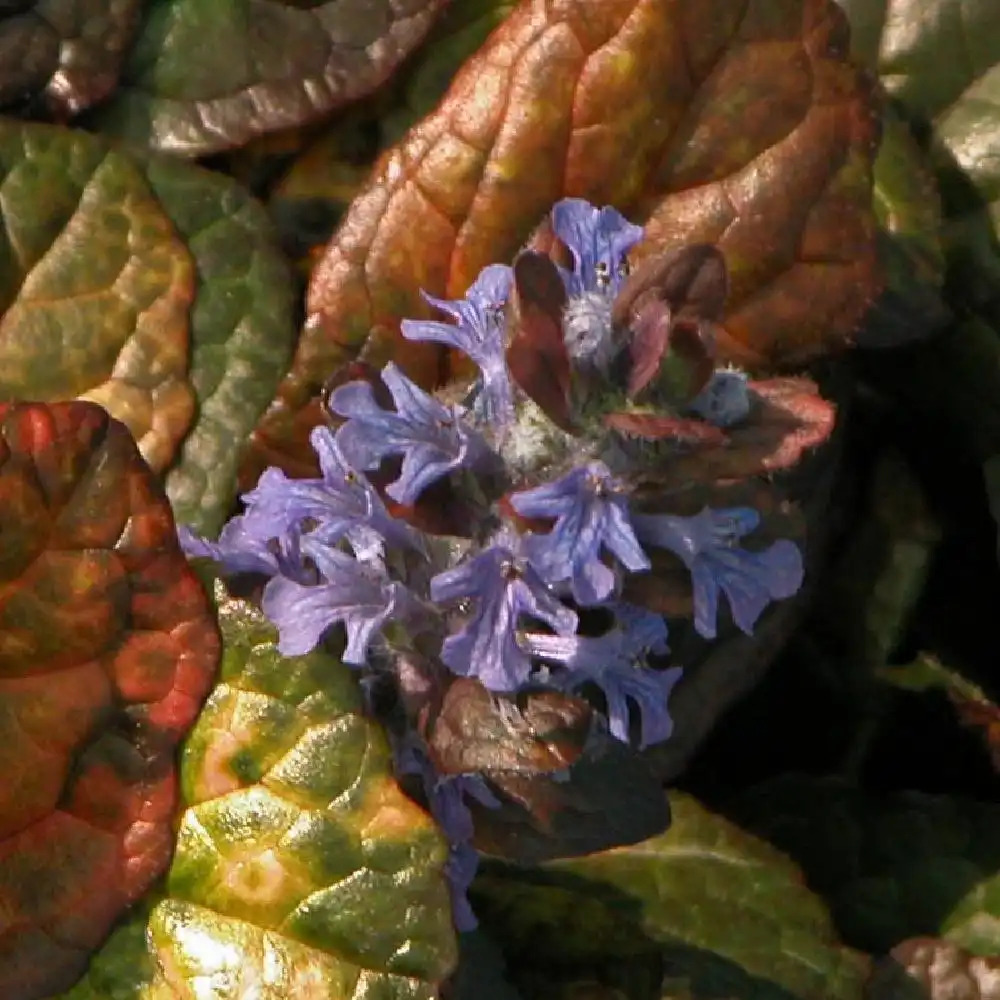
[
  {"x": 301, "y": 871},
  {"x": 107, "y": 647},
  {"x": 738, "y": 125},
  {"x": 63, "y": 55},
  {"x": 726, "y": 912},
  {"x": 892, "y": 866},
  {"x": 149, "y": 286},
  {"x": 207, "y": 75}
]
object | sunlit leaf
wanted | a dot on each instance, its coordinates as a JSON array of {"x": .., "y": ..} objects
[
  {"x": 301, "y": 870},
  {"x": 61, "y": 56},
  {"x": 207, "y": 75},
  {"x": 728, "y": 913},
  {"x": 107, "y": 646},
  {"x": 632, "y": 104}
]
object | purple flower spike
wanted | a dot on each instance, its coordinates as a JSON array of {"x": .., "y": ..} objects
[
  {"x": 246, "y": 546},
  {"x": 486, "y": 647},
  {"x": 429, "y": 435},
  {"x": 478, "y": 332},
  {"x": 598, "y": 239},
  {"x": 613, "y": 662},
  {"x": 707, "y": 544},
  {"x": 591, "y": 512},
  {"x": 358, "y": 595},
  {"x": 342, "y": 504}
]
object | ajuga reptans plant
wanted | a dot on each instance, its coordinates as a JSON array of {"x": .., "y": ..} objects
[{"x": 489, "y": 526}]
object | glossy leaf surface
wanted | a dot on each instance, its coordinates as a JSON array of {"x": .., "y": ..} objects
[
  {"x": 61, "y": 56},
  {"x": 148, "y": 286},
  {"x": 107, "y": 647},
  {"x": 728, "y": 913},
  {"x": 629, "y": 104},
  {"x": 301, "y": 871},
  {"x": 207, "y": 75}
]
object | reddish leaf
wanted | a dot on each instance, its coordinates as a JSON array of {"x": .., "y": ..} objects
[
  {"x": 668, "y": 304},
  {"x": 107, "y": 647},
  {"x": 742, "y": 126},
  {"x": 566, "y": 787},
  {"x": 654, "y": 427},
  {"x": 788, "y": 420},
  {"x": 537, "y": 355}
]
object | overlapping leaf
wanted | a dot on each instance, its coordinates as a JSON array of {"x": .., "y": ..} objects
[
  {"x": 301, "y": 870},
  {"x": 566, "y": 786},
  {"x": 726, "y": 912},
  {"x": 149, "y": 286},
  {"x": 63, "y": 55},
  {"x": 629, "y": 103},
  {"x": 891, "y": 867},
  {"x": 207, "y": 75},
  {"x": 107, "y": 646}
]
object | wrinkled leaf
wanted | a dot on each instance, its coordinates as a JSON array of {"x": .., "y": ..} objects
[
  {"x": 301, "y": 869},
  {"x": 207, "y": 75},
  {"x": 628, "y": 104},
  {"x": 110, "y": 324},
  {"x": 242, "y": 331},
  {"x": 107, "y": 646},
  {"x": 149, "y": 286},
  {"x": 315, "y": 191},
  {"x": 725, "y": 911},
  {"x": 63, "y": 55},
  {"x": 890, "y": 866},
  {"x": 567, "y": 787}
]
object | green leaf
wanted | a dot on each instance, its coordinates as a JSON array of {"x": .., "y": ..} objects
[
  {"x": 908, "y": 207},
  {"x": 892, "y": 866},
  {"x": 301, "y": 870},
  {"x": 107, "y": 647},
  {"x": 940, "y": 60},
  {"x": 242, "y": 331},
  {"x": 149, "y": 286},
  {"x": 61, "y": 56},
  {"x": 208, "y": 75},
  {"x": 725, "y": 912}
]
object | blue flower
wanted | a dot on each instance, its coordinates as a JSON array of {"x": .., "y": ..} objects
[
  {"x": 590, "y": 511},
  {"x": 446, "y": 796},
  {"x": 356, "y": 594},
  {"x": 707, "y": 544},
  {"x": 340, "y": 505},
  {"x": 429, "y": 435},
  {"x": 478, "y": 332},
  {"x": 598, "y": 239},
  {"x": 503, "y": 590},
  {"x": 244, "y": 547},
  {"x": 725, "y": 401},
  {"x": 614, "y": 663}
]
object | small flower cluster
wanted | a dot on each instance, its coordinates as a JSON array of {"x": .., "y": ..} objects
[{"x": 555, "y": 529}]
